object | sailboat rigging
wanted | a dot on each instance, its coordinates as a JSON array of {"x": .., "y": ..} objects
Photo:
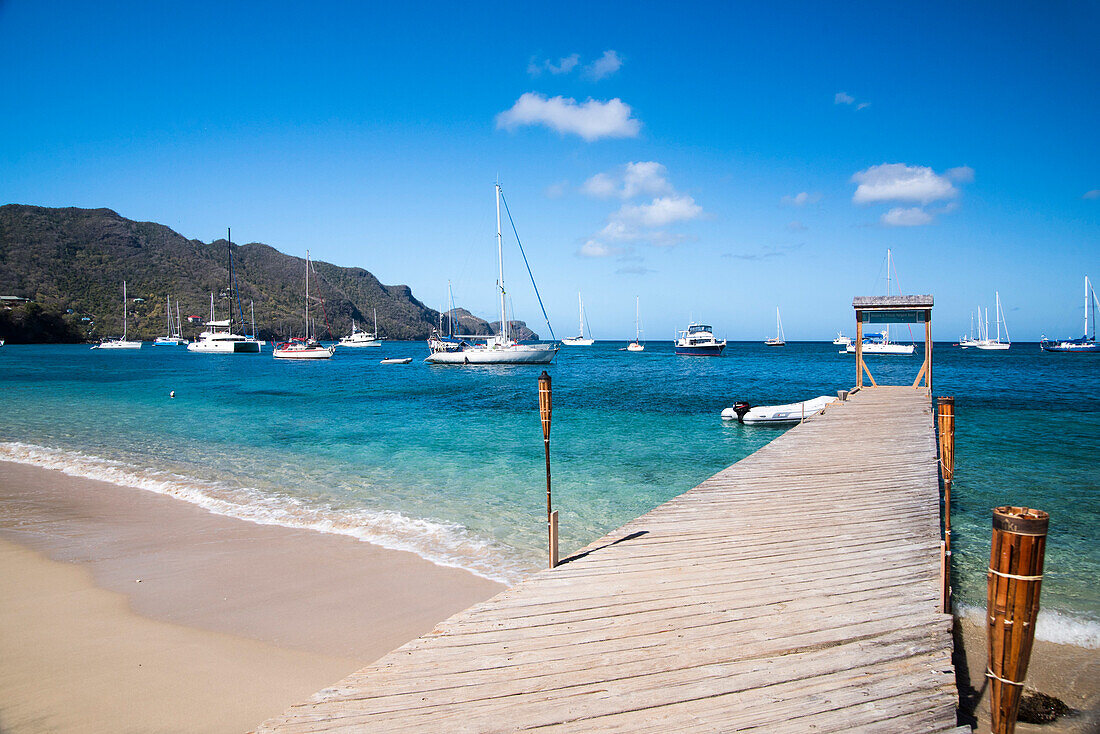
[
  {"x": 120, "y": 342},
  {"x": 307, "y": 346},
  {"x": 580, "y": 340},
  {"x": 779, "y": 340}
]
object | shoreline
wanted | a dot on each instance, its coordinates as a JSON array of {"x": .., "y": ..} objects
[{"x": 225, "y": 598}]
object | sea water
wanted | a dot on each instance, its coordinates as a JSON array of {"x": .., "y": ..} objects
[{"x": 447, "y": 462}]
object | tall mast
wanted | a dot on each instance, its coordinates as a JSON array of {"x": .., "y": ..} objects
[
  {"x": 500, "y": 282},
  {"x": 376, "y": 323},
  {"x": 450, "y": 313},
  {"x": 179, "y": 325},
  {"x": 229, "y": 239},
  {"x": 307, "y": 295},
  {"x": 888, "y": 268},
  {"x": 168, "y": 314},
  {"x": 252, "y": 311},
  {"x": 998, "y": 316},
  {"x": 580, "y": 312},
  {"x": 637, "y": 321},
  {"x": 1087, "y": 307},
  {"x": 124, "y": 313}
]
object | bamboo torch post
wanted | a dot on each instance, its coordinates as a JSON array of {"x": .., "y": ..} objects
[
  {"x": 545, "y": 411},
  {"x": 1015, "y": 575},
  {"x": 945, "y": 418}
]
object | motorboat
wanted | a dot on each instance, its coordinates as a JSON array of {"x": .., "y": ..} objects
[
  {"x": 362, "y": 338},
  {"x": 697, "y": 340},
  {"x": 304, "y": 347},
  {"x": 580, "y": 340},
  {"x": 776, "y": 414},
  {"x": 500, "y": 348},
  {"x": 119, "y": 342},
  {"x": 841, "y": 340},
  {"x": 396, "y": 360}
]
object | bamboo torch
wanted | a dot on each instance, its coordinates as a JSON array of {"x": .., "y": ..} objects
[
  {"x": 1015, "y": 575},
  {"x": 545, "y": 410},
  {"x": 946, "y": 420}
]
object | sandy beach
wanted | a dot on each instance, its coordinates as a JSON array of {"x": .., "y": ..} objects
[{"x": 124, "y": 610}]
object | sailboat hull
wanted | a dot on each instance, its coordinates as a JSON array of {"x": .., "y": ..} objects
[
  {"x": 224, "y": 346},
  {"x": 518, "y": 354},
  {"x": 578, "y": 341},
  {"x": 889, "y": 349},
  {"x": 120, "y": 344},
  {"x": 706, "y": 350}
]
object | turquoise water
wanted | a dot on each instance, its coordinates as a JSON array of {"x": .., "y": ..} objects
[{"x": 447, "y": 461}]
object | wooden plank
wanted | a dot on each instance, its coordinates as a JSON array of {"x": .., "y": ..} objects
[{"x": 796, "y": 590}]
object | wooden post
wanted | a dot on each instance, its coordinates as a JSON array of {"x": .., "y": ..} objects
[
  {"x": 859, "y": 349},
  {"x": 545, "y": 410},
  {"x": 1015, "y": 575},
  {"x": 928, "y": 348},
  {"x": 945, "y": 419}
]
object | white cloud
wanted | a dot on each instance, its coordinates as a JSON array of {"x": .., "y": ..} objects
[
  {"x": 634, "y": 179},
  {"x": 843, "y": 98},
  {"x": 604, "y": 66},
  {"x": 960, "y": 174},
  {"x": 591, "y": 120},
  {"x": 802, "y": 198},
  {"x": 796, "y": 226},
  {"x": 634, "y": 270},
  {"x": 660, "y": 212},
  {"x": 906, "y": 217},
  {"x": 556, "y": 190},
  {"x": 1094, "y": 194},
  {"x": 863, "y": 105},
  {"x": 595, "y": 248},
  {"x": 899, "y": 182},
  {"x": 601, "y": 186},
  {"x": 564, "y": 65}
]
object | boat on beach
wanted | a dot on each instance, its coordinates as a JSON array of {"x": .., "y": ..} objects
[
  {"x": 499, "y": 348},
  {"x": 579, "y": 340},
  {"x": 120, "y": 342},
  {"x": 776, "y": 414},
  {"x": 779, "y": 340},
  {"x": 307, "y": 346},
  {"x": 697, "y": 340},
  {"x": 1086, "y": 344}
]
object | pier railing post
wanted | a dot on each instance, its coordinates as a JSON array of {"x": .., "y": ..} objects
[
  {"x": 945, "y": 420},
  {"x": 1015, "y": 575},
  {"x": 545, "y": 410}
]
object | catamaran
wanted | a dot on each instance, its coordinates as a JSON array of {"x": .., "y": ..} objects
[
  {"x": 780, "y": 339},
  {"x": 119, "y": 342},
  {"x": 995, "y": 344},
  {"x": 305, "y": 347},
  {"x": 1086, "y": 343},
  {"x": 499, "y": 348},
  {"x": 580, "y": 341},
  {"x": 636, "y": 345},
  {"x": 174, "y": 338},
  {"x": 362, "y": 338},
  {"x": 219, "y": 337}
]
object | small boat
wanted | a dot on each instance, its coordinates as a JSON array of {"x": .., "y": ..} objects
[
  {"x": 579, "y": 341},
  {"x": 776, "y": 414},
  {"x": 119, "y": 342},
  {"x": 697, "y": 340},
  {"x": 994, "y": 344},
  {"x": 174, "y": 338},
  {"x": 841, "y": 340},
  {"x": 969, "y": 340},
  {"x": 496, "y": 348},
  {"x": 362, "y": 338},
  {"x": 396, "y": 360},
  {"x": 880, "y": 344},
  {"x": 636, "y": 345},
  {"x": 305, "y": 347},
  {"x": 1086, "y": 343},
  {"x": 780, "y": 339}
]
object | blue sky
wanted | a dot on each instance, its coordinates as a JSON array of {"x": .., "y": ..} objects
[{"x": 716, "y": 160}]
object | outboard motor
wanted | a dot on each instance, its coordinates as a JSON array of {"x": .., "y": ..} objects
[{"x": 740, "y": 409}]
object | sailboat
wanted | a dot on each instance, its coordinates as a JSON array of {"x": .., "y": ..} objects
[
  {"x": 174, "y": 338},
  {"x": 779, "y": 340},
  {"x": 219, "y": 337},
  {"x": 995, "y": 344},
  {"x": 579, "y": 341},
  {"x": 969, "y": 340},
  {"x": 880, "y": 343},
  {"x": 305, "y": 347},
  {"x": 119, "y": 342},
  {"x": 636, "y": 345},
  {"x": 1086, "y": 343},
  {"x": 498, "y": 348},
  {"x": 362, "y": 338}
]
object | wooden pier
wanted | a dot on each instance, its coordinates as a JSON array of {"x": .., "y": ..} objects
[{"x": 797, "y": 590}]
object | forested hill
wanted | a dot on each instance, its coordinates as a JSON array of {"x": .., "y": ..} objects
[{"x": 76, "y": 259}]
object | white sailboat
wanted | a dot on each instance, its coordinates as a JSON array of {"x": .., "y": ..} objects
[
  {"x": 120, "y": 342},
  {"x": 780, "y": 339},
  {"x": 362, "y": 338},
  {"x": 219, "y": 337},
  {"x": 174, "y": 337},
  {"x": 636, "y": 345},
  {"x": 498, "y": 348},
  {"x": 1086, "y": 344},
  {"x": 995, "y": 344},
  {"x": 579, "y": 341},
  {"x": 880, "y": 343},
  {"x": 305, "y": 347}
]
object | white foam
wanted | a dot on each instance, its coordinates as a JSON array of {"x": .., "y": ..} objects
[
  {"x": 445, "y": 544},
  {"x": 1052, "y": 626}
]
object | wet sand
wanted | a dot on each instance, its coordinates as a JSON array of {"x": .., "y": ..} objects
[{"x": 124, "y": 610}]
